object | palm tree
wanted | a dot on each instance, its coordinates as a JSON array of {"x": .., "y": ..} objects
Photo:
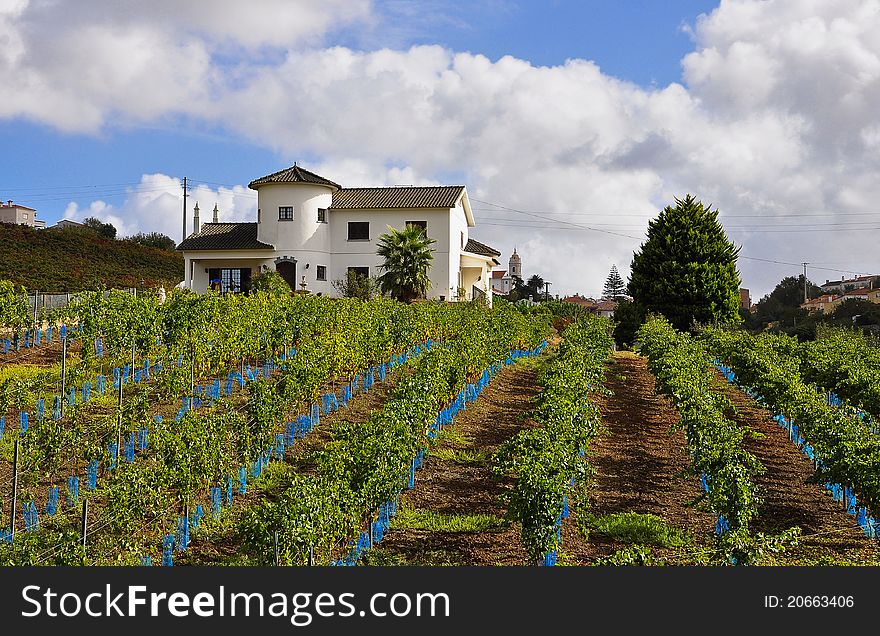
[
  {"x": 535, "y": 286},
  {"x": 407, "y": 257}
]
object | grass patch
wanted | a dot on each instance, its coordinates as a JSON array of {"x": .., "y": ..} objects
[
  {"x": 32, "y": 372},
  {"x": 638, "y": 529},
  {"x": 431, "y": 557},
  {"x": 461, "y": 456},
  {"x": 421, "y": 519},
  {"x": 625, "y": 354},
  {"x": 451, "y": 436}
]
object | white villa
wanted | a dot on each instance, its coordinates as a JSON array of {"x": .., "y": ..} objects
[{"x": 313, "y": 231}]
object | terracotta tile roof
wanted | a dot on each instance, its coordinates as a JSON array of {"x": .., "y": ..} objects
[
  {"x": 606, "y": 305},
  {"x": 591, "y": 304},
  {"x": 16, "y": 205},
  {"x": 397, "y": 197},
  {"x": 580, "y": 300},
  {"x": 293, "y": 174},
  {"x": 475, "y": 247},
  {"x": 498, "y": 273},
  {"x": 225, "y": 236}
]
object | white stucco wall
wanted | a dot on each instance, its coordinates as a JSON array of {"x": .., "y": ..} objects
[
  {"x": 303, "y": 233},
  {"x": 302, "y": 239},
  {"x": 476, "y": 272},
  {"x": 363, "y": 253},
  {"x": 17, "y": 215},
  {"x": 458, "y": 237}
]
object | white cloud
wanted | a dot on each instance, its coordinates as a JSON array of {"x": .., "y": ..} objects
[
  {"x": 775, "y": 117},
  {"x": 130, "y": 61},
  {"x": 156, "y": 205}
]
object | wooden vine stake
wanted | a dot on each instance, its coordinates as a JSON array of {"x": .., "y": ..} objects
[{"x": 85, "y": 520}]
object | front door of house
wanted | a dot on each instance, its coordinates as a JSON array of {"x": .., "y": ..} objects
[{"x": 287, "y": 269}]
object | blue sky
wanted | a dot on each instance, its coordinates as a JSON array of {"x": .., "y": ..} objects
[
  {"x": 571, "y": 122},
  {"x": 640, "y": 41}
]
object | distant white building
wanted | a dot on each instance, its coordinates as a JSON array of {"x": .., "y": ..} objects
[
  {"x": 20, "y": 215},
  {"x": 68, "y": 223},
  {"x": 861, "y": 282},
  {"x": 503, "y": 281},
  {"x": 313, "y": 231}
]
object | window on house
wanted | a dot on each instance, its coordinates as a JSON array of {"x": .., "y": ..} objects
[
  {"x": 359, "y": 231},
  {"x": 322, "y": 215},
  {"x": 259, "y": 214},
  {"x": 360, "y": 271},
  {"x": 285, "y": 213},
  {"x": 226, "y": 280},
  {"x": 321, "y": 273},
  {"x": 462, "y": 240},
  {"x": 421, "y": 224},
  {"x": 24, "y": 215}
]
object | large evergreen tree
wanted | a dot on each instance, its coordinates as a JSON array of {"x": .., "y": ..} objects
[
  {"x": 686, "y": 269},
  {"x": 407, "y": 256},
  {"x": 615, "y": 287}
]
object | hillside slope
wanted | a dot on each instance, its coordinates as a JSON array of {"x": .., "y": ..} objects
[{"x": 72, "y": 259}]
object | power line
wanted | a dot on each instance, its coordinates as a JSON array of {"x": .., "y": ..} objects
[
  {"x": 722, "y": 217},
  {"x": 755, "y": 229},
  {"x": 577, "y": 225},
  {"x": 829, "y": 269}
]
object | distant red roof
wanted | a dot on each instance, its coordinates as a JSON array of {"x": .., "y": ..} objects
[
  {"x": 498, "y": 273},
  {"x": 580, "y": 300}
]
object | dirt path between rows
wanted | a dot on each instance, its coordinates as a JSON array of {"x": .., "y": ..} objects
[
  {"x": 638, "y": 463},
  {"x": 457, "y": 480},
  {"x": 830, "y": 534}
]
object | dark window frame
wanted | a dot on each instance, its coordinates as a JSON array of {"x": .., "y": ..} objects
[
  {"x": 320, "y": 272},
  {"x": 360, "y": 224},
  {"x": 322, "y": 215},
  {"x": 364, "y": 271},
  {"x": 283, "y": 211},
  {"x": 233, "y": 280}
]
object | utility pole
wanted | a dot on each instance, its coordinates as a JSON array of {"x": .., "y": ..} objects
[
  {"x": 805, "y": 283},
  {"x": 184, "y": 209}
]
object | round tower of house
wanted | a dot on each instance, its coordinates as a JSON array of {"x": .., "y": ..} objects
[
  {"x": 293, "y": 216},
  {"x": 515, "y": 264}
]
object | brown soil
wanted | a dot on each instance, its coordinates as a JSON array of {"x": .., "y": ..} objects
[
  {"x": 452, "y": 487},
  {"x": 829, "y": 533},
  {"x": 46, "y": 355},
  {"x": 639, "y": 464}
]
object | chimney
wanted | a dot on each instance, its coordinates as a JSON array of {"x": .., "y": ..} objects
[
  {"x": 196, "y": 218},
  {"x": 216, "y": 212},
  {"x": 9, "y": 202}
]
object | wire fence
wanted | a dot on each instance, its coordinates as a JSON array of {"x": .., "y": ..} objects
[{"x": 39, "y": 300}]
